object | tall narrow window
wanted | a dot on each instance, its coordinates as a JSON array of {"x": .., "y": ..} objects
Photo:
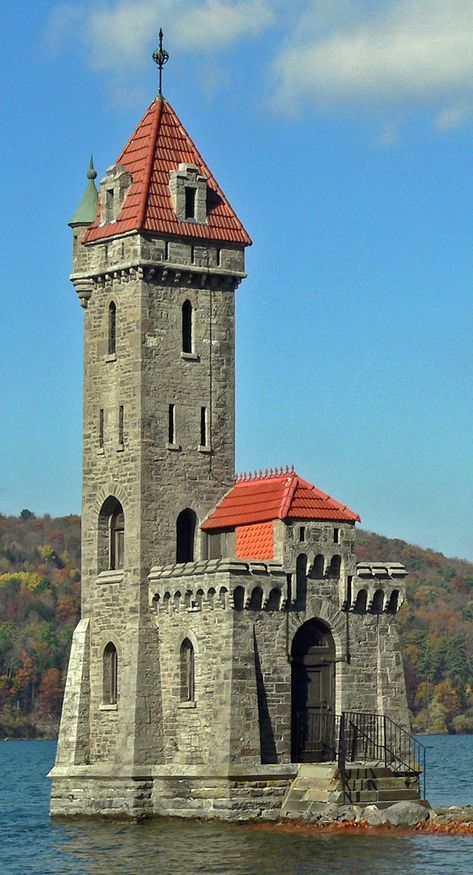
[
  {"x": 121, "y": 425},
  {"x": 109, "y": 204},
  {"x": 187, "y": 671},
  {"x": 112, "y": 328},
  {"x": 172, "y": 424},
  {"x": 190, "y": 202},
  {"x": 203, "y": 426},
  {"x": 101, "y": 428},
  {"x": 185, "y": 532},
  {"x": 110, "y": 675},
  {"x": 336, "y": 536},
  {"x": 117, "y": 539},
  {"x": 187, "y": 327}
]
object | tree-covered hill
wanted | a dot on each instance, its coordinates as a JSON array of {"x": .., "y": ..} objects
[{"x": 39, "y": 607}]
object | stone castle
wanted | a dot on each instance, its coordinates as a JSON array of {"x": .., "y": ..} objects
[{"x": 229, "y": 639}]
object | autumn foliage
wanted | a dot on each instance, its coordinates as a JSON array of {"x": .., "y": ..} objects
[{"x": 39, "y": 608}]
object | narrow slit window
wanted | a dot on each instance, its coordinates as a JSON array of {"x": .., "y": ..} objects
[
  {"x": 172, "y": 424},
  {"x": 110, "y": 204},
  {"x": 121, "y": 425},
  {"x": 110, "y": 675},
  {"x": 112, "y": 328},
  {"x": 187, "y": 672},
  {"x": 101, "y": 428},
  {"x": 190, "y": 202},
  {"x": 187, "y": 339},
  {"x": 302, "y": 534},
  {"x": 203, "y": 426},
  {"x": 336, "y": 536}
]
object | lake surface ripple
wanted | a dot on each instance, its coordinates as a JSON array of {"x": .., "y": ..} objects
[{"x": 31, "y": 843}]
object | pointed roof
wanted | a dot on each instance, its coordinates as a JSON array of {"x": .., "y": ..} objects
[
  {"x": 87, "y": 209},
  {"x": 283, "y": 495},
  {"x": 158, "y": 145}
]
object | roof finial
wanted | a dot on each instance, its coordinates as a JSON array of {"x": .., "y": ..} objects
[
  {"x": 91, "y": 173},
  {"x": 160, "y": 57}
]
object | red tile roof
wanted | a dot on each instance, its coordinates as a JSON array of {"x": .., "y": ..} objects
[
  {"x": 255, "y": 542},
  {"x": 280, "y": 495},
  {"x": 157, "y": 146}
]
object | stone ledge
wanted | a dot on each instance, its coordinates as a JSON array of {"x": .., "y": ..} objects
[{"x": 222, "y": 771}]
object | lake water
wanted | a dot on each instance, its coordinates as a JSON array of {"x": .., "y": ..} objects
[{"x": 31, "y": 843}]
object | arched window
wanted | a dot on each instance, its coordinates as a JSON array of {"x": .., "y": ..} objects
[
  {"x": 187, "y": 338},
  {"x": 239, "y": 598},
  {"x": 360, "y": 602},
  {"x": 111, "y": 535},
  {"x": 256, "y": 599},
  {"x": 274, "y": 600},
  {"x": 112, "y": 328},
  {"x": 393, "y": 603},
  {"x": 110, "y": 674},
  {"x": 187, "y": 672},
  {"x": 318, "y": 567},
  {"x": 378, "y": 602},
  {"x": 335, "y": 566},
  {"x": 185, "y": 533}
]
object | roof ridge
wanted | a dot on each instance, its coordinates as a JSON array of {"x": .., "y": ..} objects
[
  {"x": 288, "y": 495},
  {"x": 150, "y": 164}
]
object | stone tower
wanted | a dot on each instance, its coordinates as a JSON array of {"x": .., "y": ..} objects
[{"x": 226, "y": 626}]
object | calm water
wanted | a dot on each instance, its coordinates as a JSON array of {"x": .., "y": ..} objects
[{"x": 31, "y": 843}]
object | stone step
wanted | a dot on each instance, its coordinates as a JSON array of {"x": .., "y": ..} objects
[
  {"x": 363, "y": 772},
  {"x": 397, "y": 795},
  {"x": 393, "y": 783}
]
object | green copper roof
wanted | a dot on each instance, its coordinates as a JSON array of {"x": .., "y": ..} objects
[{"x": 87, "y": 210}]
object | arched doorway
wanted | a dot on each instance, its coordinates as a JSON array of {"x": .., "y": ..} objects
[{"x": 313, "y": 693}]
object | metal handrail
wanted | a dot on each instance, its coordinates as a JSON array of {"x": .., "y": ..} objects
[{"x": 361, "y": 736}]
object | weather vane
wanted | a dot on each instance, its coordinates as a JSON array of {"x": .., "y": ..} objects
[{"x": 161, "y": 57}]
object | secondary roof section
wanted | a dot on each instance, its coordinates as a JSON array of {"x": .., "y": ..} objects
[{"x": 275, "y": 495}]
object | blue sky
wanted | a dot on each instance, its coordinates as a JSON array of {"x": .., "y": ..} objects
[{"x": 342, "y": 135}]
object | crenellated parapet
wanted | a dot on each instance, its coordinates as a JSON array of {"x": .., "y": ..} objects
[
  {"x": 377, "y": 587},
  {"x": 218, "y": 584}
]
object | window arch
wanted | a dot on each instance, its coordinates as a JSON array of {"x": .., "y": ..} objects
[
  {"x": 110, "y": 674},
  {"x": 185, "y": 535},
  {"x": 111, "y": 535},
  {"x": 112, "y": 328},
  {"x": 393, "y": 603},
  {"x": 239, "y": 598},
  {"x": 187, "y": 671},
  {"x": 187, "y": 327}
]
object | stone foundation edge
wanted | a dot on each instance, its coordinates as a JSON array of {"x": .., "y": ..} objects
[{"x": 222, "y": 793}]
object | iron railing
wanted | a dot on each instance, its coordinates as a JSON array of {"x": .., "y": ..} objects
[
  {"x": 357, "y": 737},
  {"x": 377, "y": 738}
]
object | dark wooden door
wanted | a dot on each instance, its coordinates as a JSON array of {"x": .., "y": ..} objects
[{"x": 313, "y": 693}]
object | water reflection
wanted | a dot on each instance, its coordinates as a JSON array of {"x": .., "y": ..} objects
[
  {"x": 172, "y": 848},
  {"x": 32, "y": 844}
]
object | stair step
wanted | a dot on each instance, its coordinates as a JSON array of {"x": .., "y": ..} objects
[
  {"x": 379, "y": 784},
  {"x": 397, "y": 795}
]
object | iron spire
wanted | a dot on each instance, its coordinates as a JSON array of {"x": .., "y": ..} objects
[{"x": 160, "y": 57}]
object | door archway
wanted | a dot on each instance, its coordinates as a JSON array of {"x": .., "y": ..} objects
[{"x": 313, "y": 693}]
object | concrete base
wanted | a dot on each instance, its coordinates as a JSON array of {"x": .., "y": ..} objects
[{"x": 224, "y": 792}]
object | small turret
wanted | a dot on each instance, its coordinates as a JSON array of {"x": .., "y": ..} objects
[{"x": 87, "y": 210}]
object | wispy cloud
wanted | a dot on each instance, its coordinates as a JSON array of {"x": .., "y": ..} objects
[
  {"x": 392, "y": 55},
  {"x": 385, "y": 57}
]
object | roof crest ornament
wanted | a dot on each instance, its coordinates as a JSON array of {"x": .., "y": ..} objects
[
  {"x": 160, "y": 57},
  {"x": 250, "y": 476}
]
